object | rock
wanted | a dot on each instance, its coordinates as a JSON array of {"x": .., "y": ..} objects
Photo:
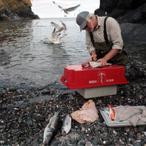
[
  {"x": 88, "y": 143},
  {"x": 131, "y": 14},
  {"x": 137, "y": 144},
  {"x": 13, "y": 9},
  {"x": 126, "y": 11},
  {"x": 81, "y": 142},
  {"x": 20, "y": 122}
]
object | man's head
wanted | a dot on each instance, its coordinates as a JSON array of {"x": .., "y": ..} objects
[{"x": 86, "y": 21}]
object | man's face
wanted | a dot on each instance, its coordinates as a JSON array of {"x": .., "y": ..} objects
[{"x": 91, "y": 23}]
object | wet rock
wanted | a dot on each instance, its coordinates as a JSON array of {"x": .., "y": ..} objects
[{"x": 4, "y": 58}]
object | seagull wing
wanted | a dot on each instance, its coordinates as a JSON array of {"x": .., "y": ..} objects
[
  {"x": 60, "y": 30},
  {"x": 71, "y": 8},
  {"x": 60, "y": 7},
  {"x": 55, "y": 25},
  {"x": 56, "y": 33},
  {"x": 53, "y": 33},
  {"x": 64, "y": 25}
]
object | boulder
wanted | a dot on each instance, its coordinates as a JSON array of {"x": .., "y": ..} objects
[
  {"x": 131, "y": 14},
  {"x": 10, "y": 9},
  {"x": 132, "y": 11}
]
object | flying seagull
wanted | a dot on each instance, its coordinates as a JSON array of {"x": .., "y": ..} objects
[
  {"x": 71, "y": 8},
  {"x": 66, "y": 10},
  {"x": 58, "y": 32}
]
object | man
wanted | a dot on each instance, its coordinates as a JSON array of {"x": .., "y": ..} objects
[{"x": 103, "y": 38}]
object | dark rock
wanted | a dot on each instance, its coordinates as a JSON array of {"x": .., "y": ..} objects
[
  {"x": 20, "y": 122},
  {"x": 4, "y": 58},
  {"x": 134, "y": 72},
  {"x": 137, "y": 143},
  {"x": 14, "y": 10},
  {"x": 131, "y": 15},
  {"x": 27, "y": 12},
  {"x": 125, "y": 11}
]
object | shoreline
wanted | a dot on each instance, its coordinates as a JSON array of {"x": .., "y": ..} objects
[{"x": 25, "y": 113}]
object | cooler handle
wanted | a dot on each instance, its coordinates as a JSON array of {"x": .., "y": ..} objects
[{"x": 63, "y": 80}]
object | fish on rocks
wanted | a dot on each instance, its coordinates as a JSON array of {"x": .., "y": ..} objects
[
  {"x": 50, "y": 129},
  {"x": 66, "y": 127}
]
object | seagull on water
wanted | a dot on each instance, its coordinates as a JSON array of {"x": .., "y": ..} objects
[{"x": 58, "y": 32}]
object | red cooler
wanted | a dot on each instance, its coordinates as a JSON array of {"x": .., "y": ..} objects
[{"x": 94, "y": 82}]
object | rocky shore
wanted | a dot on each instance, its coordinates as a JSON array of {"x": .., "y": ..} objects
[
  {"x": 25, "y": 113},
  {"x": 15, "y": 10}
]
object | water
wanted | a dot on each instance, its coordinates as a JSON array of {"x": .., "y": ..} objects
[{"x": 27, "y": 60}]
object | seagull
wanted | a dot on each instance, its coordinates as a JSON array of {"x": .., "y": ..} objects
[
  {"x": 58, "y": 32},
  {"x": 71, "y": 8},
  {"x": 66, "y": 10}
]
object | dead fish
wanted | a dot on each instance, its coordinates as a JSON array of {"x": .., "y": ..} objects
[
  {"x": 95, "y": 64},
  {"x": 50, "y": 129},
  {"x": 66, "y": 125},
  {"x": 112, "y": 113}
]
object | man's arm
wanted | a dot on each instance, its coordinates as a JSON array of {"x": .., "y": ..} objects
[
  {"x": 108, "y": 56},
  {"x": 114, "y": 31},
  {"x": 90, "y": 47},
  {"x": 115, "y": 37}
]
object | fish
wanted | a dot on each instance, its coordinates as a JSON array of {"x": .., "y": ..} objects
[
  {"x": 112, "y": 113},
  {"x": 51, "y": 129},
  {"x": 66, "y": 125},
  {"x": 94, "y": 64}
]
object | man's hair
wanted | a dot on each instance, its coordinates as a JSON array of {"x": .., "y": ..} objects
[{"x": 91, "y": 14}]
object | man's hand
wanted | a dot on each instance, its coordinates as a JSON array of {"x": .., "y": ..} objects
[
  {"x": 85, "y": 64},
  {"x": 108, "y": 56},
  {"x": 102, "y": 61},
  {"x": 93, "y": 56}
]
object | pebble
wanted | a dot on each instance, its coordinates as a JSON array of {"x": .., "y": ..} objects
[
  {"x": 32, "y": 118},
  {"x": 88, "y": 143}
]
